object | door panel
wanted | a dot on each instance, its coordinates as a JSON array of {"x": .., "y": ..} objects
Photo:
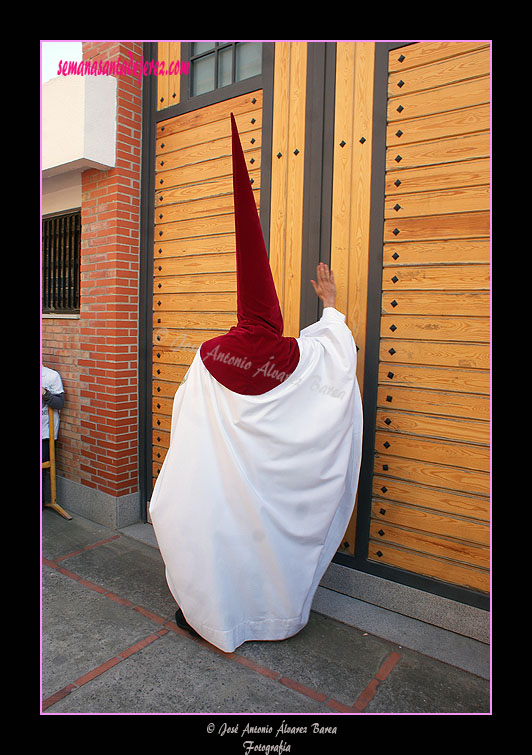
[
  {"x": 194, "y": 283},
  {"x": 430, "y": 495}
]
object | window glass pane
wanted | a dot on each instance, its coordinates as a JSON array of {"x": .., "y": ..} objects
[
  {"x": 199, "y": 47},
  {"x": 225, "y": 64},
  {"x": 203, "y": 75},
  {"x": 248, "y": 60}
]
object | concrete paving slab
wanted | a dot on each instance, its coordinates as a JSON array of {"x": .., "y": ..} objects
[
  {"x": 129, "y": 569},
  {"x": 325, "y": 655},
  {"x": 178, "y": 675},
  {"x": 419, "y": 684},
  {"x": 81, "y": 629}
]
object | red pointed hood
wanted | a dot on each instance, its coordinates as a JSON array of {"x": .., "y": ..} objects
[{"x": 253, "y": 357}]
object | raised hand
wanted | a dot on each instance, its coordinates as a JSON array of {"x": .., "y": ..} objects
[{"x": 325, "y": 288}]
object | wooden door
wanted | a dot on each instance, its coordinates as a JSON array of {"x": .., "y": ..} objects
[
  {"x": 430, "y": 501},
  {"x": 194, "y": 294}
]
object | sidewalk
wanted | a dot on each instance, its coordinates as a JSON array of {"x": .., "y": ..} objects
[{"x": 110, "y": 646}]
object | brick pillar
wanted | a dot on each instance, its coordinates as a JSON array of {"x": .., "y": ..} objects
[{"x": 109, "y": 295}]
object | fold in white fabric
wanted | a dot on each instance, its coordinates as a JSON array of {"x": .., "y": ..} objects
[{"x": 256, "y": 492}]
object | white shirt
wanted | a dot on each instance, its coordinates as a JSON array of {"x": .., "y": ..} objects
[{"x": 51, "y": 381}]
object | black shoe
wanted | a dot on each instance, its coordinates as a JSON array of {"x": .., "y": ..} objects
[{"x": 182, "y": 623}]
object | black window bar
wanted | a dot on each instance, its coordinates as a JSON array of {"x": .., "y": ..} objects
[{"x": 61, "y": 242}]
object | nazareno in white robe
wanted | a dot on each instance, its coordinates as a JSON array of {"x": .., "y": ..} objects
[{"x": 256, "y": 492}]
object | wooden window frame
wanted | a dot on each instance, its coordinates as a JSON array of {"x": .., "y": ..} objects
[
  {"x": 218, "y": 47},
  {"x": 187, "y": 101}
]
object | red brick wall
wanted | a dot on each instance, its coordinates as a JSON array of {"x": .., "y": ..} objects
[{"x": 97, "y": 354}]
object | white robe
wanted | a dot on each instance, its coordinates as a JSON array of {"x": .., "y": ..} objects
[{"x": 256, "y": 492}]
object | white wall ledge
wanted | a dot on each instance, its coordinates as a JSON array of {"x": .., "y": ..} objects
[{"x": 78, "y": 124}]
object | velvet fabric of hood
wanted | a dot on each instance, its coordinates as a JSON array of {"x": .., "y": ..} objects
[{"x": 253, "y": 357}]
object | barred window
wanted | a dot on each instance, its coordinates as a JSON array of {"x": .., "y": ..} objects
[
  {"x": 61, "y": 245},
  {"x": 218, "y": 64}
]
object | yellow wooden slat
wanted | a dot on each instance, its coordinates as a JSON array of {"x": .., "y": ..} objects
[
  {"x": 440, "y": 74},
  {"x": 163, "y": 50},
  {"x": 353, "y": 120},
  {"x": 452, "y": 251},
  {"x": 198, "y": 283},
  {"x": 216, "y": 187},
  {"x": 436, "y": 303},
  {"x": 412, "y": 56},
  {"x": 169, "y": 159},
  {"x": 474, "y": 355},
  {"x": 197, "y": 227},
  {"x": 413, "y": 506},
  {"x": 442, "y": 126},
  {"x": 431, "y": 426},
  {"x": 445, "y": 403},
  {"x": 439, "y": 100},
  {"x": 429, "y": 177},
  {"x": 451, "y": 453},
  {"x": 432, "y": 227},
  {"x": 437, "y": 278},
  {"x": 441, "y": 569},
  {"x": 436, "y": 328},
  {"x": 202, "y": 171},
  {"x": 457, "y": 379},
  {"x": 168, "y": 374},
  {"x": 431, "y": 545},
  {"x": 191, "y": 245},
  {"x": 193, "y": 321},
  {"x": 195, "y": 264},
  {"x": 360, "y": 195},
  {"x": 249, "y": 126},
  {"x": 294, "y": 187},
  {"x": 212, "y": 113},
  {"x": 442, "y": 151},
  {"x": 471, "y": 199},
  {"x": 199, "y": 302},
  {"x": 433, "y": 475}
]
